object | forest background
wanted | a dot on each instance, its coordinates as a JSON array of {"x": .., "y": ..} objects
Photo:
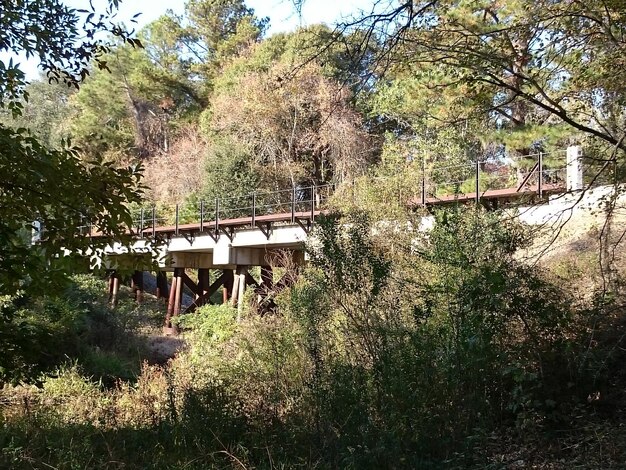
[{"x": 450, "y": 350}]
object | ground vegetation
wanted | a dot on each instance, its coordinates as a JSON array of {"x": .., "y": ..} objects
[{"x": 479, "y": 343}]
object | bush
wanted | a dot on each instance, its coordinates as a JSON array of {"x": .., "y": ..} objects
[{"x": 42, "y": 333}]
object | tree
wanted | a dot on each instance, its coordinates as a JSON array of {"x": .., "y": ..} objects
[
  {"x": 152, "y": 93},
  {"x": 218, "y": 30},
  {"x": 524, "y": 65},
  {"x": 297, "y": 127},
  {"x": 54, "y": 186},
  {"x": 43, "y": 114},
  {"x": 117, "y": 112}
]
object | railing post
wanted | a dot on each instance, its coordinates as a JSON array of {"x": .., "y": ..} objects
[
  {"x": 176, "y": 231},
  {"x": 293, "y": 204},
  {"x": 423, "y": 181},
  {"x": 217, "y": 216},
  {"x": 540, "y": 179},
  {"x": 313, "y": 194},
  {"x": 201, "y": 216},
  {"x": 254, "y": 209},
  {"x": 141, "y": 223},
  {"x": 477, "y": 181},
  {"x": 153, "y": 221}
]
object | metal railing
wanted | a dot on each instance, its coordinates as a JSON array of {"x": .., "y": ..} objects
[
  {"x": 297, "y": 202},
  {"x": 430, "y": 182}
]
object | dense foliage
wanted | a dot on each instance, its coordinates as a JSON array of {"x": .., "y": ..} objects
[
  {"x": 44, "y": 179},
  {"x": 398, "y": 347},
  {"x": 428, "y": 357}
]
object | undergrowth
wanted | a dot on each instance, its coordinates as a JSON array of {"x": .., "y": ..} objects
[{"x": 391, "y": 351}]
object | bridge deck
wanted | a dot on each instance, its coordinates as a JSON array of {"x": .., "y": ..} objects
[
  {"x": 238, "y": 222},
  {"x": 490, "y": 194}
]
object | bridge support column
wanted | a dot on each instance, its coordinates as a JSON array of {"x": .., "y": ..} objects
[
  {"x": 235, "y": 294},
  {"x": 240, "y": 279},
  {"x": 138, "y": 286},
  {"x": 179, "y": 273},
  {"x": 267, "y": 277},
  {"x": 114, "y": 288},
  {"x": 161, "y": 285},
  {"x": 203, "y": 282},
  {"x": 227, "y": 291},
  {"x": 110, "y": 283},
  {"x": 173, "y": 305}
]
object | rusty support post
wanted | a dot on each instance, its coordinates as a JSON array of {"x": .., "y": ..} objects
[
  {"x": 254, "y": 209},
  {"x": 116, "y": 288},
  {"x": 138, "y": 286},
  {"x": 477, "y": 181},
  {"x": 201, "y": 216},
  {"x": 170, "y": 303},
  {"x": 178, "y": 272},
  {"x": 293, "y": 204},
  {"x": 110, "y": 273},
  {"x": 176, "y": 229},
  {"x": 540, "y": 179}
]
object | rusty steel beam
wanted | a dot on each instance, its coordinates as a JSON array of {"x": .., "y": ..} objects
[
  {"x": 110, "y": 281},
  {"x": 171, "y": 302},
  {"x": 179, "y": 273}
]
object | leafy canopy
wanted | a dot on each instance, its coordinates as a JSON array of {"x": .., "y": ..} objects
[{"x": 54, "y": 186}]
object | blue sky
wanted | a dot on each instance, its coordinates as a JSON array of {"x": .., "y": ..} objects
[{"x": 281, "y": 13}]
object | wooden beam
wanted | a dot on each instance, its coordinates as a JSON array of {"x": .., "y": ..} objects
[
  {"x": 204, "y": 298},
  {"x": 188, "y": 282}
]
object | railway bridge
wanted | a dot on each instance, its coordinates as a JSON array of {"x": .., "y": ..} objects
[{"x": 228, "y": 237}]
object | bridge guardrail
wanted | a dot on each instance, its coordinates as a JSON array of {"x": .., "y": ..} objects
[{"x": 433, "y": 182}]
